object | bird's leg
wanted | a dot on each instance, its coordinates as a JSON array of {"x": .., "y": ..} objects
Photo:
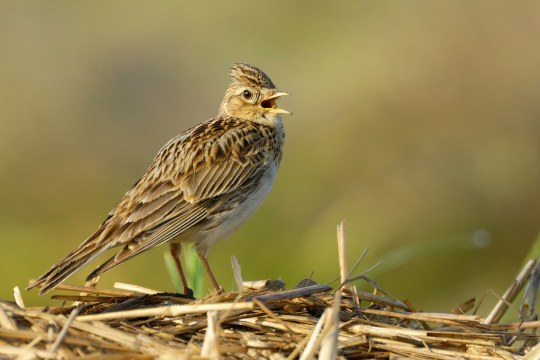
[
  {"x": 204, "y": 261},
  {"x": 175, "y": 249}
]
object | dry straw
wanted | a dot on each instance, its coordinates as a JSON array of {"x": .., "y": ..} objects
[{"x": 263, "y": 320}]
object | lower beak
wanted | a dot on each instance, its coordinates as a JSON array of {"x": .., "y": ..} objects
[{"x": 269, "y": 104}]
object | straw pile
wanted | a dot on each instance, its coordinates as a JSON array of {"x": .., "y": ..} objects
[{"x": 265, "y": 321}]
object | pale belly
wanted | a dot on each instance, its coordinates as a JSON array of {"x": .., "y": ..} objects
[{"x": 231, "y": 220}]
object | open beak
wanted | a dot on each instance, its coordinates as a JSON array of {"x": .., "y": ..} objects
[{"x": 269, "y": 103}]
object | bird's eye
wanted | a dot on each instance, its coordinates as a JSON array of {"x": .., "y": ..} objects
[{"x": 247, "y": 94}]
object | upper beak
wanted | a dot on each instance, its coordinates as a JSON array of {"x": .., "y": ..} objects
[{"x": 269, "y": 103}]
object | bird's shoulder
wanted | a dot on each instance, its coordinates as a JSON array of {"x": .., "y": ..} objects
[{"x": 219, "y": 139}]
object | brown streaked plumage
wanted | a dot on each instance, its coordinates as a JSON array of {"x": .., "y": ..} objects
[{"x": 200, "y": 187}]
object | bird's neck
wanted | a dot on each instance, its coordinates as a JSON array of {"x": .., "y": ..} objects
[{"x": 272, "y": 120}]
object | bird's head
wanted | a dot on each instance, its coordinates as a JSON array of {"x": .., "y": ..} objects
[{"x": 252, "y": 96}]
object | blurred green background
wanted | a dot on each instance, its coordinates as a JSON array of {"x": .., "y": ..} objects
[{"x": 417, "y": 122}]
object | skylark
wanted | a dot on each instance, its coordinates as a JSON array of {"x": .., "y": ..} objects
[{"x": 201, "y": 186}]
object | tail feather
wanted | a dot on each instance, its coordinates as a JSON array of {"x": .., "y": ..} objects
[
  {"x": 107, "y": 265},
  {"x": 67, "y": 266}
]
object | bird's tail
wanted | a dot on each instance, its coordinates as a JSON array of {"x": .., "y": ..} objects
[{"x": 87, "y": 251}]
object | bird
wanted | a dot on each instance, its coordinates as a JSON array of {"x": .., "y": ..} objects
[{"x": 201, "y": 186}]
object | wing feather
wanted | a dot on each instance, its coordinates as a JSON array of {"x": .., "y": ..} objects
[
  {"x": 179, "y": 222},
  {"x": 148, "y": 205},
  {"x": 222, "y": 178}
]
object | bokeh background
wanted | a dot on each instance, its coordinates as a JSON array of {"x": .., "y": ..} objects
[{"x": 416, "y": 122}]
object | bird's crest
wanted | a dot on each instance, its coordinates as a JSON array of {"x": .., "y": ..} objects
[{"x": 250, "y": 75}]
